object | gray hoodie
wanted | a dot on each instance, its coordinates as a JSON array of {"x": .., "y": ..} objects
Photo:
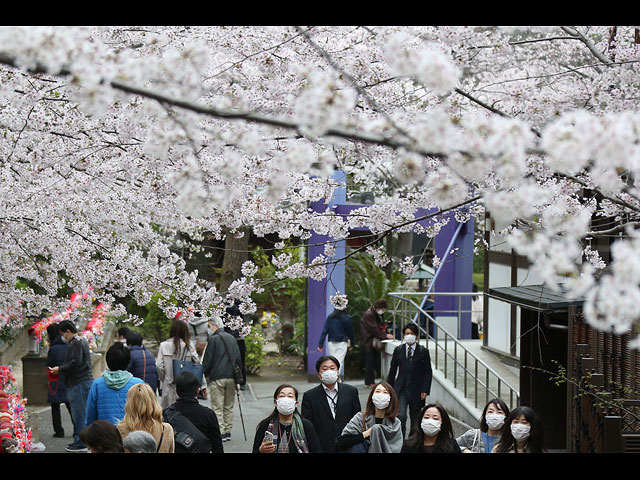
[{"x": 198, "y": 329}]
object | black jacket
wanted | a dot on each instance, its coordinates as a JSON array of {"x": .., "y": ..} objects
[
  {"x": 204, "y": 419},
  {"x": 315, "y": 408},
  {"x": 77, "y": 364},
  {"x": 419, "y": 377},
  {"x": 435, "y": 449},
  {"x": 55, "y": 357},
  {"x": 216, "y": 364},
  {"x": 143, "y": 365}
]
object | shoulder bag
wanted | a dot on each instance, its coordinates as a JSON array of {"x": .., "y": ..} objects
[
  {"x": 238, "y": 378},
  {"x": 181, "y": 365}
]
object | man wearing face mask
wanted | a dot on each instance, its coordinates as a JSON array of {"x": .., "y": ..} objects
[
  {"x": 372, "y": 330},
  {"x": 330, "y": 405},
  {"x": 78, "y": 375},
  {"x": 220, "y": 356},
  {"x": 410, "y": 374}
]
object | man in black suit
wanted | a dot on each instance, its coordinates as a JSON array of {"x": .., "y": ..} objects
[
  {"x": 330, "y": 405},
  {"x": 412, "y": 363}
]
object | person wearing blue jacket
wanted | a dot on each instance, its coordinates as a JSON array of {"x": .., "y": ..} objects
[
  {"x": 338, "y": 330},
  {"x": 142, "y": 363},
  {"x": 108, "y": 394}
]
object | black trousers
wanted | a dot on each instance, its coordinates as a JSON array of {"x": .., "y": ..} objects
[
  {"x": 474, "y": 331},
  {"x": 370, "y": 366},
  {"x": 56, "y": 417},
  {"x": 403, "y": 405}
]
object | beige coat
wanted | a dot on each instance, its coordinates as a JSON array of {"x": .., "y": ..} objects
[{"x": 164, "y": 364}]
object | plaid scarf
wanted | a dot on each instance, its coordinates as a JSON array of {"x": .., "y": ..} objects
[{"x": 296, "y": 434}]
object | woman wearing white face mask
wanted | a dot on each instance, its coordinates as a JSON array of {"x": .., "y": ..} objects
[
  {"x": 482, "y": 440},
  {"x": 522, "y": 433},
  {"x": 433, "y": 434},
  {"x": 377, "y": 429},
  {"x": 285, "y": 431}
]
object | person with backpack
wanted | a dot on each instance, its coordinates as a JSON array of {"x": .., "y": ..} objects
[{"x": 188, "y": 417}]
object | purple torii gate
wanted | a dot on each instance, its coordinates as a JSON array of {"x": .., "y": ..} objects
[{"x": 454, "y": 275}]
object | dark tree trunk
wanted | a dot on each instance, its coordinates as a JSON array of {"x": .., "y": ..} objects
[{"x": 235, "y": 254}]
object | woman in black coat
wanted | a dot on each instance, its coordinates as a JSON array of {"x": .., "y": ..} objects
[{"x": 57, "y": 389}]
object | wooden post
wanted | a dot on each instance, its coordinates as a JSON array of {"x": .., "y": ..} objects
[{"x": 612, "y": 434}]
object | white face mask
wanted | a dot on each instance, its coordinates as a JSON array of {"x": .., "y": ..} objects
[
  {"x": 380, "y": 312},
  {"x": 329, "y": 377},
  {"x": 494, "y": 420},
  {"x": 519, "y": 431},
  {"x": 410, "y": 339},
  {"x": 286, "y": 405},
  {"x": 430, "y": 427},
  {"x": 381, "y": 400}
]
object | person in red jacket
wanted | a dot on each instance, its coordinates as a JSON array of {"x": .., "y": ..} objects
[{"x": 372, "y": 327}]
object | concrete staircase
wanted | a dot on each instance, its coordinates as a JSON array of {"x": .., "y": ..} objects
[{"x": 465, "y": 402}]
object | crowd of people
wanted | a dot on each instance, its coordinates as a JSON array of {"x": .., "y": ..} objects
[
  {"x": 143, "y": 404},
  {"x": 329, "y": 419}
]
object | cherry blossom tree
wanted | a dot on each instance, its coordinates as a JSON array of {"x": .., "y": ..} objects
[{"x": 117, "y": 139}]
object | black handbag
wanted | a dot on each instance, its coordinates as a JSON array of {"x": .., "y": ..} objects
[{"x": 181, "y": 365}]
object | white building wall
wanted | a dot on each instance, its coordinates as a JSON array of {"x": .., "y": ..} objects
[{"x": 499, "y": 313}]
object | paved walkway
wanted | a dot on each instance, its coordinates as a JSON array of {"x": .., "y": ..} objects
[{"x": 255, "y": 404}]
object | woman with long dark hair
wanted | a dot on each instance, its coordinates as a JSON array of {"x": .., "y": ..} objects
[
  {"x": 102, "y": 436},
  {"x": 378, "y": 429},
  {"x": 285, "y": 431},
  {"x": 522, "y": 433},
  {"x": 482, "y": 440},
  {"x": 178, "y": 346},
  {"x": 433, "y": 434}
]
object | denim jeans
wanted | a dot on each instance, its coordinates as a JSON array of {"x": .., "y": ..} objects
[{"x": 77, "y": 397}]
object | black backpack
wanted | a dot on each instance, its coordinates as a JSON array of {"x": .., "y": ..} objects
[{"x": 188, "y": 439}]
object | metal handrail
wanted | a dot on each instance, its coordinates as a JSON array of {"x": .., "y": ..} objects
[{"x": 514, "y": 394}]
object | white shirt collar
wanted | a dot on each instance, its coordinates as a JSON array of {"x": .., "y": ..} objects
[{"x": 331, "y": 392}]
